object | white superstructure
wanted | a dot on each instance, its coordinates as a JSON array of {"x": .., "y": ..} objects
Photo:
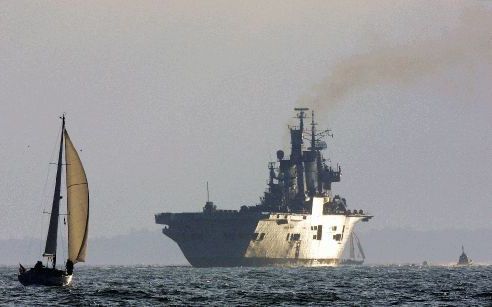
[{"x": 312, "y": 239}]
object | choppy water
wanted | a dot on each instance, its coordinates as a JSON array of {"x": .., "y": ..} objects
[{"x": 365, "y": 285}]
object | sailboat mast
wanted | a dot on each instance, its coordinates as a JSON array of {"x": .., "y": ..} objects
[
  {"x": 50, "y": 248},
  {"x": 360, "y": 248},
  {"x": 352, "y": 248}
]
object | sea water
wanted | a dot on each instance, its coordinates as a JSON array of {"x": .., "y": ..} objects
[{"x": 341, "y": 286}]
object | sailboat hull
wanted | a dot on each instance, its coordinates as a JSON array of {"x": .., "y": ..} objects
[{"x": 45, "y": 277}]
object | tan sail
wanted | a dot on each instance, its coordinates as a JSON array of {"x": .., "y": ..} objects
[{"x": 77, "y": 203}]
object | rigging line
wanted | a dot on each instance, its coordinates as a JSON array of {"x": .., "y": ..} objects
[
  {"x": 62, "y": 229},
  {"x": 62, "y": 239}
]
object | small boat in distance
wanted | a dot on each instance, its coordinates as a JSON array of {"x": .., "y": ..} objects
[
  {"x": 463, "y": 260},
  {"x": 77, "y": 221}
]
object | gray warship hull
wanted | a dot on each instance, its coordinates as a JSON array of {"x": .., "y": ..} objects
[{"x": 211, "y": 240}]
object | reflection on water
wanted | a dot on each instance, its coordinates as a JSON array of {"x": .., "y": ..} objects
[{"x": 364, "y": 285}]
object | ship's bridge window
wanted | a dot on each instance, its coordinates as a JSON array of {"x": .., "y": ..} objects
[
  {"x": 337, "y": 237},
  {"x": 282, "y": 221},
  {"x": 295, "y": 237},
  {"x": 334, "y": 228},
  {"x": 319, "y": 232},
  {"x": 258, "y": 236}
]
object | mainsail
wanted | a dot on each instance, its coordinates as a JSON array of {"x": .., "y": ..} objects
[
  {"x": 50, "y": 248},
  {"x": 77, "y": 203}
]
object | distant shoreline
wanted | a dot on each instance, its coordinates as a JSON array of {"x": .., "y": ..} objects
[{"x": 395, "y": 247}]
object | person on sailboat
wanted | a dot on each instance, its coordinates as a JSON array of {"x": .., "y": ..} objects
[
  {"x": 69, "y": 267},
  {"x": 38, "y": 266}
]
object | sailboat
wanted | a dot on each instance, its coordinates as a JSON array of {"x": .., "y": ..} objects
[
  {"x": 353, "y": 258},
  {"x": 77, "y": 221}
]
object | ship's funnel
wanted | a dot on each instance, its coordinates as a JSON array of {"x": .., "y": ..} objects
[{"x": 311, "y": 171}]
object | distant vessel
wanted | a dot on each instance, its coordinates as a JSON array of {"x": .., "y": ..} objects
[
  {"x": 297, "y": 223},
  {"x": 354, "y": 258},
  {"x": 77, "y": 221},
  {"x": 463, "y": 260}
]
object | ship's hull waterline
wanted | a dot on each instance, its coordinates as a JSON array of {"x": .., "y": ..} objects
[{"x": 261, "y": 262}]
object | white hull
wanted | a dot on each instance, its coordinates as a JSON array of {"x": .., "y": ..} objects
[
  {"x": 275, "y": 239},
  {"x": 300, "y": 239},
  {"x": 308, "y": 239}
]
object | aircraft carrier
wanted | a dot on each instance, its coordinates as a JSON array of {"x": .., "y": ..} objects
[{"x": 298, "y": 222}]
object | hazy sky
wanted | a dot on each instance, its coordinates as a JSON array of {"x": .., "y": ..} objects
[{"x": 162, "y": 96}]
